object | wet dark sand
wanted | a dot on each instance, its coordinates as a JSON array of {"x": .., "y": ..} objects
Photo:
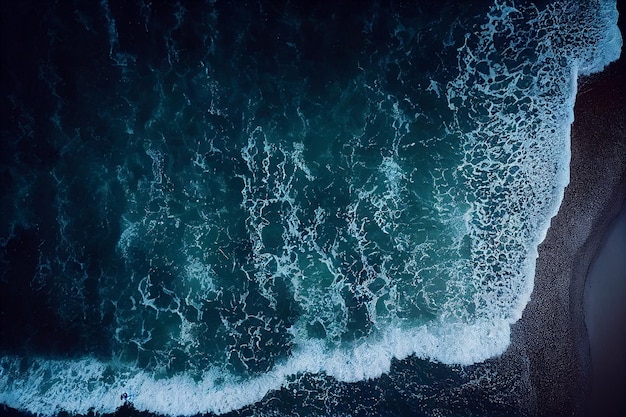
[
  {"x": 551, "y": 336},
  {"x": 605, "y": 317}
]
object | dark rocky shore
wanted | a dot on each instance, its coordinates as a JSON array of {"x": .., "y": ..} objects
[{"x": 552, "y": 333}]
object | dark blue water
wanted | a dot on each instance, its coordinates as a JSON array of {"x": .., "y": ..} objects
[{"x": 280, "y": 208}]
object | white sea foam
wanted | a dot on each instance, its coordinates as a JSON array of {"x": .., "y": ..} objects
[
  {"x": 515, "y": 115},
  {"x": 76, "y": 386}
]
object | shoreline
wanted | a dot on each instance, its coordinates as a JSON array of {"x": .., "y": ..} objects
[{"x": 551, "y": 335}]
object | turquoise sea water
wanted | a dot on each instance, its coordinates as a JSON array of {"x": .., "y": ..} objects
[{"x": 212, "y": 205}]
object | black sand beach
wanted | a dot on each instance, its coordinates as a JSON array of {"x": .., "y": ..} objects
[{"x": 552, "y": 332}]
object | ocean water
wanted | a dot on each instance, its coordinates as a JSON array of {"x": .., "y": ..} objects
[{"x": 278, "y": 207}]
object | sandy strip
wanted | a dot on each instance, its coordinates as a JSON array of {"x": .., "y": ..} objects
[{"x": 605, "y": 317}]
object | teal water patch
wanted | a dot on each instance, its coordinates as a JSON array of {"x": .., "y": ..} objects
[{"x": 240, "y": 199}]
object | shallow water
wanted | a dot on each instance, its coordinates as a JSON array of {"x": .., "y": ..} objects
[{"x": 275, "y": 208}]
